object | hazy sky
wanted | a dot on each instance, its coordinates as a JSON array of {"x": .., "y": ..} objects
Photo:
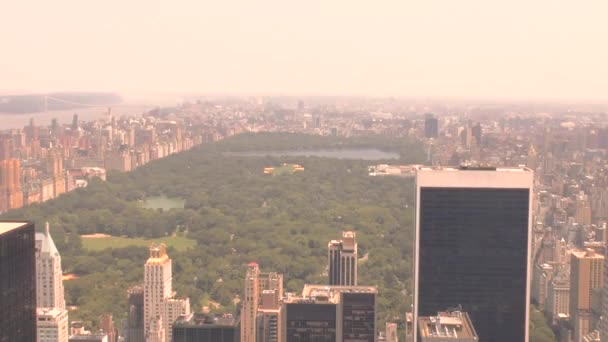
[{"x": 530, "y": 49}]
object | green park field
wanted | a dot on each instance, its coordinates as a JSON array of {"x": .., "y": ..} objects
[{"x": 180, "y": 243}]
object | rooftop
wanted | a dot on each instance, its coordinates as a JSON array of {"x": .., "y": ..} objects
[
  {"x": 8, "y": 226},
  {"x": 202, "y": 320},
  {"x": 455, "y": 325},
  {"x": 324, "y": 294}
]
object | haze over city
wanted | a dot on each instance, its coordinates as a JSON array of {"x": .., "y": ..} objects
[
  {"x": 282, "y": 171},
  {"x": 474, "y": 49}
]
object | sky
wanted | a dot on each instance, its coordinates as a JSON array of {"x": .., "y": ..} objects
[{"x": 517, "y": 49}]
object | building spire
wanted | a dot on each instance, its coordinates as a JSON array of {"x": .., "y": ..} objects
[{"x": 47, "y": 229}]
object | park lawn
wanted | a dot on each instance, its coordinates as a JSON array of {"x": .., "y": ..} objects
[
  {"x": 283, "y": 170},
  {"x": 97, "y": 244}
]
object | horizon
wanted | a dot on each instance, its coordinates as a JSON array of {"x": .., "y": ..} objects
[{"x": 516, "y": 51}]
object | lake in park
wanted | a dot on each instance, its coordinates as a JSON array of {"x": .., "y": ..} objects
[{"x": 360, "y": 153}]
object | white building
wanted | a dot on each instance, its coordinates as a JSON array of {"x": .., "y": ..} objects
[
  {"x": 159, "y": 298},
  {"x": 52, "y": 325},
  {"x": 49, "y": 285}
]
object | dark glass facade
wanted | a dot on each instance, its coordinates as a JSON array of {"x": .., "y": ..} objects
[
  {"x": 473, "y": 252},
  {"x": 135, "y": 321},
  {"x": 309, "y": 322},
  {"x": 358, "y": 317},
  {"x": 205, "y": 333},
  {"x": 18, "y": 285}
]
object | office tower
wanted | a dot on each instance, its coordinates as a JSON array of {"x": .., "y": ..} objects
[
  {"x": 270, "y": 318},
  {"x": 310, "y": 319},
  {"x": 250, "y": 303},
  {"x": 472, "y": 247},
  {"x": 160, "y": 303},
  {"x": 201, "y": 327},
  {"x": 447, "y": 326},
  {"x": 17, "y": 282},
  {"x": 476, "y": 133},
  {"x": 256, "y": 283},
  {"x": 586, "y": 274},
  {"x": 358, "y": 312},
  {"x": 541, "y": 278},
  {"x": 342, "y": 260},
  {"x": 106, "y": 324},
  {"x": 604, "y": 321},
  {"x": 558, "y": 296},
  {"x": 75, "y": 122},
  {"x": 331, "y": 313},
  {"x": 431, "y": 126},
  {"x": 52, "y": 325},
  {"x": 89, "y": 338},
  {"x": 135, "y": 319},
  {"x": 391, "y": 332},
  {"x": 271, "y": 281},
  {"x": 49, "y": 289}
]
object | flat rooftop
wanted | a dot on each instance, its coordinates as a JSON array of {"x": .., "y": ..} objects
[
  {"x": 8, "y": 226},
  {"x": 311, "y": 289},
  {"x": 445, "y": 326},
  {"x": 206, "y": 320}
]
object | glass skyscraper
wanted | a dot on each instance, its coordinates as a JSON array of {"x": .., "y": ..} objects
[
  {"x": 472, "y": 247},
  {"x": 17, "y": 282}
]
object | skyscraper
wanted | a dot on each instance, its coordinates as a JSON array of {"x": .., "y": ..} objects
[
  {"x": 472, "y": 247},
  {"x": 160, "y": 303},
  {"x": 52, "y": 325},
  {"x": 135, "y": 315},
  {"x": 431, "y": 126},
  {"x": 604, "y": 321},
  {"x": 202, "y": 327},
  {"x": 250, "y": 303},
  {"x": 256, "y": 283},
  {"x": 270, "y": 318},
  {"x": 49, "y": 289},
  {"x": 586, "y": 274},
  {"x": 331, "y": 313},
  {"x": 342, "y": 260},
  {"x": 17, "y": 282}
]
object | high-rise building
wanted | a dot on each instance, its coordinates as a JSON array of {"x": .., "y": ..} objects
[
  {"x": 431, "y": 126},
  {"x": 201, "y": 327},
  {"x": 11, "y": 195},
  {"x": 160, "y": 303},
  {"x": 106, "y": 325},
  {"x": 342, "y": 260},
  {"x": 270, "y": 317},
  {"x": 331, "y": 313},
  {"x": 49, "y": 289},
  {"x": 250, "y": 303},
  {"x": 256, "y": 283},
  {"x": 452, "y": 326},
  {"x": 558, "y": 296},
  {"x": 604, "y": 321},
  {"x": 52, "y": 325},
  {"x": 89, "y": 338},
  {"x": 586, "y": 274},
  {"x": 309, "y": 319},
  {"x": 17, "y": 282},
  {"x": 472, "y": 247},
  {"x": 135, "y": 315}
]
